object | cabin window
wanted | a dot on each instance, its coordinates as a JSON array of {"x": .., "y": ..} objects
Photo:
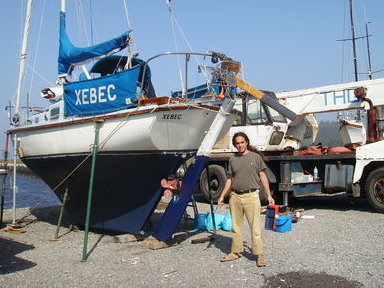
[
  {"x": 55, "y": 113},
  {"x": 36, "y": 120},
  {"x": 256, "y": 112},
  {"x": 276, "y": 116},
  {"x": 238, "y": 107}
]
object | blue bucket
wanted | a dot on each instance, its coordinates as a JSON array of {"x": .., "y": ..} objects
[{"x": 283, "y": 224}]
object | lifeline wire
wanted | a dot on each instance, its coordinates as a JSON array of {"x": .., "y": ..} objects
[{"x": 175, "y": 23}]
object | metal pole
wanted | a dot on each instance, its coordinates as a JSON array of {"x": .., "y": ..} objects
[
  {"x": 61, "y": 213},
  {"x": 90, "y": 190},
  {"x": 353, "y": 40},
  {"x": 211, "y": 198},
  {"x": 14, "y": 186},
  {"x": 185, "y": 92},
  {"x": 4, "y": 173},
  {"x": 368, "y": 51}
]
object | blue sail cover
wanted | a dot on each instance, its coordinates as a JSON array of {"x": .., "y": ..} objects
[
  {"x": 102, "y": 95},
  {"x": 70, "y": 55},
  {"x": 198, "y": 91}
]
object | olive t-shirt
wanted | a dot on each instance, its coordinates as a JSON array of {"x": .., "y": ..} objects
[{"x": 244, "y": 170}]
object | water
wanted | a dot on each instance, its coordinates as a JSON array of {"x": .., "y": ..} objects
[{"x": 31, "y": 192}]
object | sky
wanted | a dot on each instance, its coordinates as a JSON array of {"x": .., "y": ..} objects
[{"x": 283, "y": 45}]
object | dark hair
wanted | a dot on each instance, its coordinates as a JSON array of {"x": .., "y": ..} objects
[{"x": 242, "y": 134}]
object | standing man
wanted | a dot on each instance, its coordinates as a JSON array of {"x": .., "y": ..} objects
[{"x": 246, "y": 176}]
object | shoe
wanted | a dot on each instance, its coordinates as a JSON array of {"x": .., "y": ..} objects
[
  {"x": 230, "y": 257},
  {"x": 260, "y": 261}
]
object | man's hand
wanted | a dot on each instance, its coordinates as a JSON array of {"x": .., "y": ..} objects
[
  {"x": 271, "y": 201},
  {"x": 220, "y": 201}
]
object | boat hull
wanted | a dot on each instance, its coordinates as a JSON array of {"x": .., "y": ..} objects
[
  {"x": 172, "y": 128},
  {"x": 126, "y": 186},
  {"x": 136, "y": 150}
]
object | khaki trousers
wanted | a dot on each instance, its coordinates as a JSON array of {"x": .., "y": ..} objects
[{"x": 249, "y": 205}]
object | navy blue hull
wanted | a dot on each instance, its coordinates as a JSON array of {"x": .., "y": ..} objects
[{"x": 126, "y": 188}]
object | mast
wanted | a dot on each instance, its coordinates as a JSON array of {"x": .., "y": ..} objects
[
  {"x": 353, "y": 40},
  {"x": 23, "y": 61},
  {"x": 15, "y": 121},
  {"x": 369, "y": 52},
  {"x": 62, "y": 6}
]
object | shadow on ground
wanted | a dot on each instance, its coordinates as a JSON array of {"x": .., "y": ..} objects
[
  {"x": 338, "y": 202},
  {"x": 9, "y": 262},
  {"x": 49, "y": 214},
  {"x": 309, "y": 279}
]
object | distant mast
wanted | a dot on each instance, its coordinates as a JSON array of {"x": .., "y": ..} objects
[
  {"x": 353, "y": 40},
  {"x": 368, "y": 51}
]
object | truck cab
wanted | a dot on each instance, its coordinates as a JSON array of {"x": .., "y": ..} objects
[{"x": 264, "y": 126}]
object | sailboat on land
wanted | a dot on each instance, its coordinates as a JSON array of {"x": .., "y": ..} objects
[{"x": 141, "y": 138}]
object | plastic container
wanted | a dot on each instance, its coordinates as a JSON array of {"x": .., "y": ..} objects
[
  {"x": 283, "y": 224},
  {"x": 315, "y": 173},
  {"x": 272, "y": 211}
]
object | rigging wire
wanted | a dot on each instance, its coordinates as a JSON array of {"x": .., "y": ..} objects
[
  {"x": 175, "y": 43},
  {"x": 91, "y": 21},
  {"x": 33, "y": 67},
  {"x": 35, "y": 73},
  {"x": 81, "y": 22},
  {"x": 174, "y": 24}
]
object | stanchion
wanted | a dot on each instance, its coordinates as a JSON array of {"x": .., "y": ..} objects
[
  {"x": 90, "y": 190},
  {"x": 3, "y": 176},
  {"x": 61, "y": 214}
]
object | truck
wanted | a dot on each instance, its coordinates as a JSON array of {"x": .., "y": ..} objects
[{"x": 297, "y": 166}]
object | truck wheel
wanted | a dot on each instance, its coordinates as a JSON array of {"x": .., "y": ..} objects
[
  {"x": 374, "y": 188},
  {"x": 217, "y": 179}
]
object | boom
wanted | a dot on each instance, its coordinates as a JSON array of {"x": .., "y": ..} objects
[{"x": 333, "y": 97}]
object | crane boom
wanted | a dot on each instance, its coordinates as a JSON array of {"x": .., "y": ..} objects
[{"x": 332, "y": 97}]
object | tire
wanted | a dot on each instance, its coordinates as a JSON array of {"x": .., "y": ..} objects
[
  {"x": 374, "y": 188},
  {"x": 217, "y": 177}
]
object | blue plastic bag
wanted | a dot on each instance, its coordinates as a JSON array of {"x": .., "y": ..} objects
[
  {"x": 226, "y": 224},
  {"x": 200, "y": 222},
  {"x": 218, "y": 220}
]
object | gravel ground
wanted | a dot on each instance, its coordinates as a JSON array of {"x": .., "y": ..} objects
[{"x": 340, "y": 246}]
